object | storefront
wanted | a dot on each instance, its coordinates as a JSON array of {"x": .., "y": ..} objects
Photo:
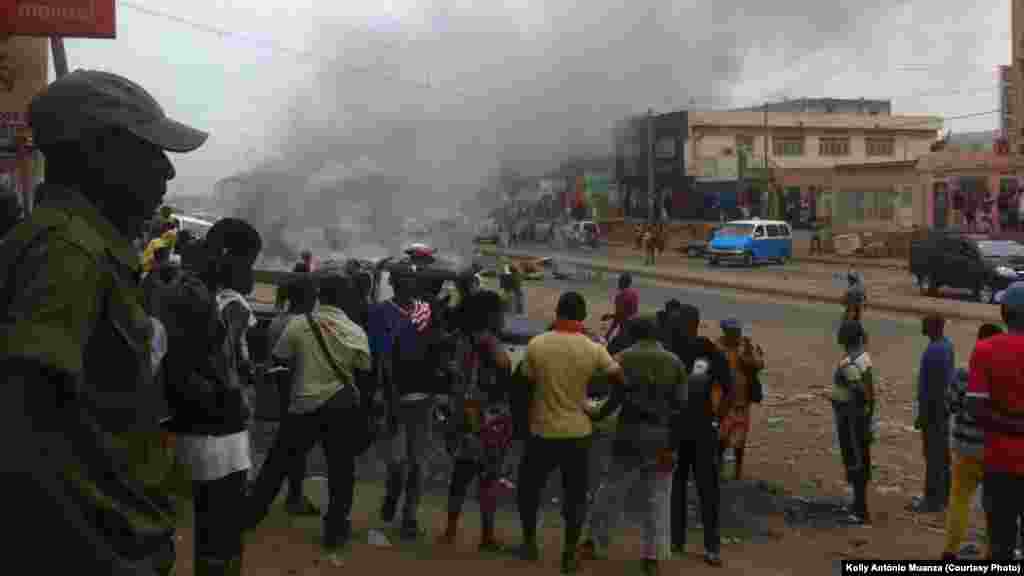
[
  {"x": 874, "y": 196},
  {"x": 977, "y": 192},
  {"x": 797, "y": 195},
  {"x": 26, "y": 61}
]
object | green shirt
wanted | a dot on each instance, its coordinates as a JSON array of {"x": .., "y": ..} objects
[
  {"x": 73, "y": 304},
  {"x": 656, "y": 383}
]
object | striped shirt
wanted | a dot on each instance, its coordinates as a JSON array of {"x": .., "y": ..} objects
[{"x": 968, "y": 438}]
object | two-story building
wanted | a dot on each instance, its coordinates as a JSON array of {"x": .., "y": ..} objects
[{"x": 781, "y": 164}]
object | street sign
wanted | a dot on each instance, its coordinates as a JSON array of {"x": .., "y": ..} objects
[{"x": 64, "y": 18}]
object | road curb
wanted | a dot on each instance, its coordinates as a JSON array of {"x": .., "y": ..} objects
[
  {"x": 839, "y": 261},
  {"x": 946, "y": 309}
]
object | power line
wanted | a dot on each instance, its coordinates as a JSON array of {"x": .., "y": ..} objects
[{"x": 277, "y": 46}]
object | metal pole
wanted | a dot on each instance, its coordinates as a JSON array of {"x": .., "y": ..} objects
[
  {"x": 651, "y": 214},
  {"x": 764, "y": 153},
  {"x": 60, "y": 57}
]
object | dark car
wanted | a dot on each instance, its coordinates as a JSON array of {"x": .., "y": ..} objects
[{"x": 977, "y": 264}]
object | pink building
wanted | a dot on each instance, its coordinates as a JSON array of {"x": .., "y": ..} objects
[{"x": 978, "y": 192}]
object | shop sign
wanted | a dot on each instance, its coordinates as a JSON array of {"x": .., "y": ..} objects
[
  {"x": 23, "y": 73},
  {"x": 66, "y": 18}
]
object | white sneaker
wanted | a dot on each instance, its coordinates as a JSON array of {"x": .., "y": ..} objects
[{"x": 377, "y": 539}]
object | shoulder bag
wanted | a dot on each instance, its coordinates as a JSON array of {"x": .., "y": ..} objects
[{"x": 353, "y": 398}]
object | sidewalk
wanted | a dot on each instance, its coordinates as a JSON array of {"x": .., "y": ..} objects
[
  {"x": 828, "y": 259},
  {"x": 803, "y": 288}
]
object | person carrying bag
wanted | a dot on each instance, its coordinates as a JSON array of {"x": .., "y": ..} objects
[{"x": 329, "y": 356}]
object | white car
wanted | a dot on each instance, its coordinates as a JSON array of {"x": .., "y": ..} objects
[{"x": 584, "y": 232}]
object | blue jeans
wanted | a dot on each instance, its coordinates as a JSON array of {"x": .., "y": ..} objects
[{"x": 657, "y": 518}]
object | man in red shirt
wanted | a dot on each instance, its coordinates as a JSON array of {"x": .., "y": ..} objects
[
  {"x": 995, "y": 391},
  {"x": 627, "y": 305}
]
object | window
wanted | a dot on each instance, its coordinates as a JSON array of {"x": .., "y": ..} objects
[
  {"x": 887, "y": 203},
  {"x": 834, "y": 146},
  {"x": 788, "y": 146},
  {"x": 759, "y": 232},
  {"x": 784, "y": 230},
  {"x": 870, "y": 205},
  {"x": 879, "y": 146},
  {"x": 907, "y": 197},
  {"x": 773, "y": 230},
  {"x": 665, "y": 148},
  {"x": 744, "y": 142}
]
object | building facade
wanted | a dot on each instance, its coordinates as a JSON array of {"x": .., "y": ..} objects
[
  {"x": 1015, "y": 82},
  {"x": 978, "y": 192},
  {"x": 673, "y": 190},
  {"x": 780, "y": 164}
]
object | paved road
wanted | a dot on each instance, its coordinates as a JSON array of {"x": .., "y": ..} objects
[{"x": 719, "y": 304}]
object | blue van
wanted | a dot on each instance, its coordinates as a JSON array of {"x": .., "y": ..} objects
[{"x": 752, "y": 241}]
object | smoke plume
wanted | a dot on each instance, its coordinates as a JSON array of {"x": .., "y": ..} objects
[{"x": 439, "y": 95}]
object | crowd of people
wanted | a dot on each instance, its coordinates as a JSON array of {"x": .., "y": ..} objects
[{"x": 130, "y": 383}]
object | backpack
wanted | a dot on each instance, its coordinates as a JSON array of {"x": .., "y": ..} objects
[{"x": 199, "y": 373}]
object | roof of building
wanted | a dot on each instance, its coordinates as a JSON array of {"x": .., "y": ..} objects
[
  {"x": 955, "y": 159},
  {"x": 796, "y": 104}
]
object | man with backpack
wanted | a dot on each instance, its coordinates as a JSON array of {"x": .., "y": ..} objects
[
  {"x": 207, "y": 380},
  {"x": 81, "y": 412},
  {"x": 696, "y": 430}
]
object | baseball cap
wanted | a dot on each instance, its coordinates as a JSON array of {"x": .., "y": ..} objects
[
  {"x": 1013, "y": 296},
  {"x": 86, "y": 100}
]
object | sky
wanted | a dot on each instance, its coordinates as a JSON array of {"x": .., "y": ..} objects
[{"x": 445, "y": 91}]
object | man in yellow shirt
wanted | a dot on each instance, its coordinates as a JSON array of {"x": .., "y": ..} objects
[{"x": 560, "y": 365}]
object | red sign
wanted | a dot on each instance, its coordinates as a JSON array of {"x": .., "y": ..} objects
[
  {"x": 18, "y": 119},
  {"x": 67, "y": 18}
]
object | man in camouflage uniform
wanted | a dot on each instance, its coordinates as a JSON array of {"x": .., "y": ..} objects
[{"x": 81, "y": 446}]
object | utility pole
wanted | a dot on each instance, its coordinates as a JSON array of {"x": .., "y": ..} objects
[
  {"x": 652, "y": 210},
  {"x": 764, "y": 154}
]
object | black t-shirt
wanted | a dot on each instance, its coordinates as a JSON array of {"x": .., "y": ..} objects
[{"x": 698, "y": 412}]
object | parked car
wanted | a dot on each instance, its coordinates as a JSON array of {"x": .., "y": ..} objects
[
  {"x": 583, "y": 233},
  {"x": 752, "y": 241},
  {"x": 952, "y": 260},
  {"x": 197, "y": 226},
  {"x": 543, "y": 231}
]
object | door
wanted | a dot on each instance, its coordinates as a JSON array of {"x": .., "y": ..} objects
[
  {"x": 759, "y": 245},
  {"x": 954, "y": 270},
  {"x": 773, "y": 247},
  {"x": 785, "y": 241},
  {"x": 941, "y": 206},
  {"x": 974, "y": 265}
]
